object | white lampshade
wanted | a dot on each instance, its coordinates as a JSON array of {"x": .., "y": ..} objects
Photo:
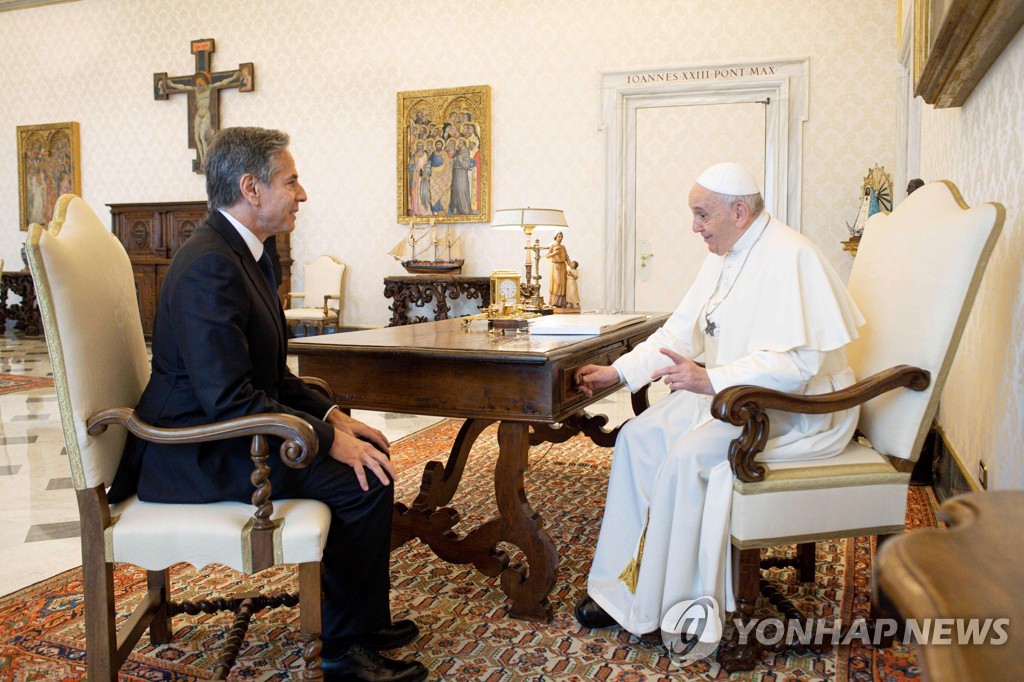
[{"x": 538, "y": 218}]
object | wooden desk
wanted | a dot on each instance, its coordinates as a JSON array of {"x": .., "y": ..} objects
[
  {"x": 523, "y": 382},
  {"x": 419, "y": 290},
  {"x": 973, "y": 569}
]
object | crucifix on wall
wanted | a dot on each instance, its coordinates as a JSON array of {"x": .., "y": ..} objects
[{"x": 203, "y": 88}]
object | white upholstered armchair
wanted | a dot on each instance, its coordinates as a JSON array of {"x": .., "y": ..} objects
[
  {"x": 915, "y": 278},
  {"x": 321, "y": 294},
  {"x": 86, "y": 294}
]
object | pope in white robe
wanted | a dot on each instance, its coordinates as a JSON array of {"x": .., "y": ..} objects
[{"x": 766, "y": 309}]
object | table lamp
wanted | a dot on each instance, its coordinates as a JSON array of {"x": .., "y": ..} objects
[{"x": 530, "y": 219}]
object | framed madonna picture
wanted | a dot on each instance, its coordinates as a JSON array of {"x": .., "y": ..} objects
[
  {"x": 444, "y": 155},
  {"x": 48, "y": 166}
]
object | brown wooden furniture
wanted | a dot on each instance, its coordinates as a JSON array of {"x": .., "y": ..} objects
[
  {"x": 902, "y": 356},
  {"x": 423, "y": 289},
  {"x": 525, "y": 383},
  {"x": 100, "y": 366},
  {"x": 973, "y": 569},
  {"x": 26, "y": 312},
  {"x": 152, "y": 233}
]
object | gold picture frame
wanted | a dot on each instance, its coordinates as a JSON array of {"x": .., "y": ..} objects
[
  {"x": 49, "y": 165},
  {"x": 444, "y": 155},
  {"x": 955, "y": 43}
]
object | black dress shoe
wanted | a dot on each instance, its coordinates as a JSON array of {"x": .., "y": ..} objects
[
  {"x": 360, "y": 664},
  {"x": 395, "y": 635},
  {"x": 590, "y": 614}
]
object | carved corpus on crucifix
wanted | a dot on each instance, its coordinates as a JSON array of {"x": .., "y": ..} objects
[{"x": 203, "y": 88}]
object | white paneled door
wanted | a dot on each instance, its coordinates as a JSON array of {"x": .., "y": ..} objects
[{"x": 673, "y": 145}]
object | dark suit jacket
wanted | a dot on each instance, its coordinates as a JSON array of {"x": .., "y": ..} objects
[{"x": 219, "y": 352}]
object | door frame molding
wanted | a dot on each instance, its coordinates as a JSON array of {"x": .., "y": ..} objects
[
  {"x": 908, "y": 116},
  {"x": 783, "y": 81}
]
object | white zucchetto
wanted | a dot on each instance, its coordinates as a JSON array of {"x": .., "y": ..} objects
[{"x": 729, "y": 178}]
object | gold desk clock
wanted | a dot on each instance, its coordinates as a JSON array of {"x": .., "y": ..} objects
[
  {"x": 505, "y": 310},
  {"x": 505, "y": 291}
]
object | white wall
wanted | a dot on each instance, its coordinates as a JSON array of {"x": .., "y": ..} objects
[
  {"x": 327, "y": 72},
  {"x": 980, "y": 147}
]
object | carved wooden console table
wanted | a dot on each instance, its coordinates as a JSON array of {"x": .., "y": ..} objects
[
  {"x": 411, "y": 290},
  {"x": 25, "y": 313}
]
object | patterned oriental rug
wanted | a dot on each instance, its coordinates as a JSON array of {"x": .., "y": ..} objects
[
  {"x": 9, "y": 383},
  {"x": 465, "y": 632}
]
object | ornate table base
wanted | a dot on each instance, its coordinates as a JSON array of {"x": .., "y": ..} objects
[
  {"x": 517, "y": 523},
  {"x": 412, "y": 290},
  {"x": 25, "y": 313}
]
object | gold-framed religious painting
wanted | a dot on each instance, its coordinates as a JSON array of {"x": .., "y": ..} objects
[
  {"x": 49, "y": 165},
  {"x": 444, "y": 155}
]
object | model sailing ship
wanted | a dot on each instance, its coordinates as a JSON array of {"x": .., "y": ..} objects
[{"x": 429, "y": 250}]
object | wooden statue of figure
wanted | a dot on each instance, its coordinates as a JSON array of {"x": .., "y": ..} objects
[
  {"x": 572, "y": 290},
  {"x": 559, "y": 262}
]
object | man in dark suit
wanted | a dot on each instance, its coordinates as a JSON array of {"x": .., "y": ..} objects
[{"x": 219, "y": 352}]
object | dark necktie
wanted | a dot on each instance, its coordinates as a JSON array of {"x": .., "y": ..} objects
[{"x": 268, "y": 273}]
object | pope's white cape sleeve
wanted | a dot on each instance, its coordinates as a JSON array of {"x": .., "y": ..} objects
[
  {"x": 788, "y": 372},
  {"x": 635, "y": 367}
]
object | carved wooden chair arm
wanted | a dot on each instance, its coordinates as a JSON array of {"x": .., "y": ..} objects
[
  {"x": 320, "y": 386},
  {"x": 747, "y": 406},
  {"x": 291, "y": 296},
  {"x": 297, "y": 451},
  {"x": 328, "y": 297}
]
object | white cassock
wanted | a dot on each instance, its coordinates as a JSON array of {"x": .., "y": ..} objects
[{"x": 782, "y": 318}]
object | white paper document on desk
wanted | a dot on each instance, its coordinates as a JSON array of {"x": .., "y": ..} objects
[{"x": 581, "y": 325}]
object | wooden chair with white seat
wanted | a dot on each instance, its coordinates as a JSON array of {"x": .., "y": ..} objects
[
  {"x": 915, "y": 278},
  {"x": 86, "y": 293},
  {"x": 322, "y": 285}
]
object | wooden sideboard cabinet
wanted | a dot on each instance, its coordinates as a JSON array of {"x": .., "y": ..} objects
[{"x": 153, "y": 232}]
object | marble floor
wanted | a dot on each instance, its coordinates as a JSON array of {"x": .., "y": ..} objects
[{"x": 39, "y": 535}]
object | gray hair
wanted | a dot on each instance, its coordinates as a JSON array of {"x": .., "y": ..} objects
[
  {"x": 235, "y": 152},
  {"x": 755, "y": 202}
]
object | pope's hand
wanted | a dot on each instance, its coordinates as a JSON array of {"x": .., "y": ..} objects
[
  {"x": 684, "y": 374},
  {"x": 590, "y": 378}
]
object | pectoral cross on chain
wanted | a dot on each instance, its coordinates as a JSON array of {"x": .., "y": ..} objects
[
  {"x": 203, "y": 88},
  {"x": 710, "y": 327}
]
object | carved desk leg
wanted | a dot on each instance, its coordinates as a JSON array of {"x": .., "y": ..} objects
[
  {"x": 523, "y": 527},
  {"x": 590, "y": 425},
  {"x": 432, "y": 523},
  {"x": 516, "y": 523},
  {"x": 439, "y": 482}
]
